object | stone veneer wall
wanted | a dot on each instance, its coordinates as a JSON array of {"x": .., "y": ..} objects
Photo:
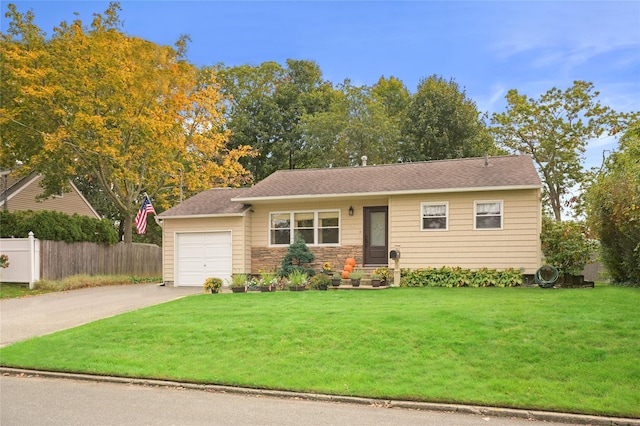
[{"x": 270, "y": 258}]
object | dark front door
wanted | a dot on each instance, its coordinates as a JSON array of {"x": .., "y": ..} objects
[{"x": 375, "y": 235}]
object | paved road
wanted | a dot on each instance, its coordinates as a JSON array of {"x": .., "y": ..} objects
[
  {"x": 41, "y": 401},
  {"x": 28, "y": 317}
]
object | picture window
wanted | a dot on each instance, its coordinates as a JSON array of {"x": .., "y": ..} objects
[{"x": 315, "y": 227}]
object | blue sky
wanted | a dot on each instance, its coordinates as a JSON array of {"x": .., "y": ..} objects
[{"x": 487, "y": 47}]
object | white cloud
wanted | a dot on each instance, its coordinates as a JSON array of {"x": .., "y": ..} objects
[
  {"x": 493, "y": 101},
  {"x": 567, "y": 34},
  {"x": 603, "y": 141}
]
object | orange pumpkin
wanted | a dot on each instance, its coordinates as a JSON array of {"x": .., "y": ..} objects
[
  {"x": 350, "y": 261},
  {"x": 345, "y": 275},
  {"x": 348, "y": 268}
]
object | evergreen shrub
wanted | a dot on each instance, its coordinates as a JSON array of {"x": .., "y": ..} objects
[{"x": 298, "y": 255}]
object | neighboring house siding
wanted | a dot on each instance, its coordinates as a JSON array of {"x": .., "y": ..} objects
[
  {"x": 516, "y": 245},
  {"x": 240, "y": 260},
  {"x": 69, "y": 202}
]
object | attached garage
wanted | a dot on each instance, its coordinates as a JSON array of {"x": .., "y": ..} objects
[
  {"x": 201, "y": 255},
  {"x": 206, "y": 236}
]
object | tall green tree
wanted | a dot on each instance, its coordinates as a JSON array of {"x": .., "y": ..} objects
[
  {"x": 613, "y": 209},
  {"x": 393, "y": 95},
  {"x": 442, "y": 123},
  {"x": 252, "y": 113},
  {"x": 357, "y": 124},
  {"x": 266, "y": 106},
  {"x": 303, "y": 91},
  {"x": 127, "y": 112},
  {"x": 554, "y": 129}
]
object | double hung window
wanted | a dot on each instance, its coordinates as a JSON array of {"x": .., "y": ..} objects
[
  {"x": 328, "y": 229},
  {"x": 280, "y": 228},
  {"x": 435, "y": 216},
  {"x": 488, "y": 215}
]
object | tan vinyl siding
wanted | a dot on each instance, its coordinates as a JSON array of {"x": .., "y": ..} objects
[
  {"x": 246, "y": 241},
  {"x": 240, "y": 255},
  {"x": 69, "y": 202},
  {"x": 350, "y": 226},
  {"x": 516, "y": 245}
]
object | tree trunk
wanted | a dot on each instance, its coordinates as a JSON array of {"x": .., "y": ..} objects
[
  {"x": 556, "y": 206},
  {"x": 554, "y": 196},
  {"x": 557, "y": 213},
  {"x": 128, "y": 228}
]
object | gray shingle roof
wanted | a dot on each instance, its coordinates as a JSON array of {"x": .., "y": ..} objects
[
  {"x": 468, "y": 174},
  {"x": 211, "y": 202},
  {"x": 429, "y": 176}
]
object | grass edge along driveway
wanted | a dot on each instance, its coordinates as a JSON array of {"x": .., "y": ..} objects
[{"x": 559, "y": 350}]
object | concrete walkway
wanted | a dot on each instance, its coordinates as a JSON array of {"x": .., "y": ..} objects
[{"x": 28, "y": 317}]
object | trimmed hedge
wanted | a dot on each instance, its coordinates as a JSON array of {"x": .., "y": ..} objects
[
  {"x": 56, "y": 226},
  {"x": 459, "y": 277}
]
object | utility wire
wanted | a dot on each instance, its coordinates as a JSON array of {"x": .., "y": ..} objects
[
  {"x": 23, "y": 125},
  {"x": 79, "y": 147}
]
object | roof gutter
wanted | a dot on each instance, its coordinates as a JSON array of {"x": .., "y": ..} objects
[
  {"x": 196, "y": 216},
  {"x": 383, "y": 193}
]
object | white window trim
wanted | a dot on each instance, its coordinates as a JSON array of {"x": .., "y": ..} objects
[
  {"x": 475, "y": 214},
  {"x": 437, "y": 203},
  {"x": 316, "y": 228}
]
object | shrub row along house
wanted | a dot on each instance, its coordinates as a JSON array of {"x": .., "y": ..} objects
[{"x": 472, "y": 213}]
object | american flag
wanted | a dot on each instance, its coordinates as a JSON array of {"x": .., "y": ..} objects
[{"x": 141, "y": 217}]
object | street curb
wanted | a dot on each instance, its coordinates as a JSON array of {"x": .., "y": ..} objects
[{"x": 548, "y": 416}]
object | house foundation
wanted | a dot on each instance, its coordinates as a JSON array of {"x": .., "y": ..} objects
[{"x": 270, "y": 258}]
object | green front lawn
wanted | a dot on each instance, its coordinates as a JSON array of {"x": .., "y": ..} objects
[{"x": 566, "y": 350}]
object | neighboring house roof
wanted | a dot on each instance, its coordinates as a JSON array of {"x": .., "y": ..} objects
[
  {"x": 25, "y": 189},
  {"x": 212, "y": 202},
  {"x": 467, "y": 174}
]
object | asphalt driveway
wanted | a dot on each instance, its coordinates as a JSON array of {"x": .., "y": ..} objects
[{"x": 28, "y": 317}]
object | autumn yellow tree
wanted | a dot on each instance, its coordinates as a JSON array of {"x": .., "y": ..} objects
[{"x": 134, "y": 116}]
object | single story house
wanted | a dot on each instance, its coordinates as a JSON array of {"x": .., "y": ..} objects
[
  {"x": 472, "y": 213},
  {"x": 20, "y": 193}
]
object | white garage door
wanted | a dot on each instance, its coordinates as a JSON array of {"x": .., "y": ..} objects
[{"x": 202, "y": 255}]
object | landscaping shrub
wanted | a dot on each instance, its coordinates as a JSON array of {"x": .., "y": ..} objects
[
  {"x": 460, "y": 277},
  {"x": 298, "y": 255},
  {"x": 567, "y": 246},
  {"x": 56, "y": 226}
]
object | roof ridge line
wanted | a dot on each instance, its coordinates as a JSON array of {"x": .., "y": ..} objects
[{"x": 396, "y": 164}]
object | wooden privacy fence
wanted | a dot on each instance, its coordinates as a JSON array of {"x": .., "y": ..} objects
[
  {"x": 594, "y": 272},
  {"x": 60, "y": 259}
]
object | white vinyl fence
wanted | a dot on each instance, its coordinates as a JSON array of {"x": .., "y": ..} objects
[{"x": 24, "y": 260}]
